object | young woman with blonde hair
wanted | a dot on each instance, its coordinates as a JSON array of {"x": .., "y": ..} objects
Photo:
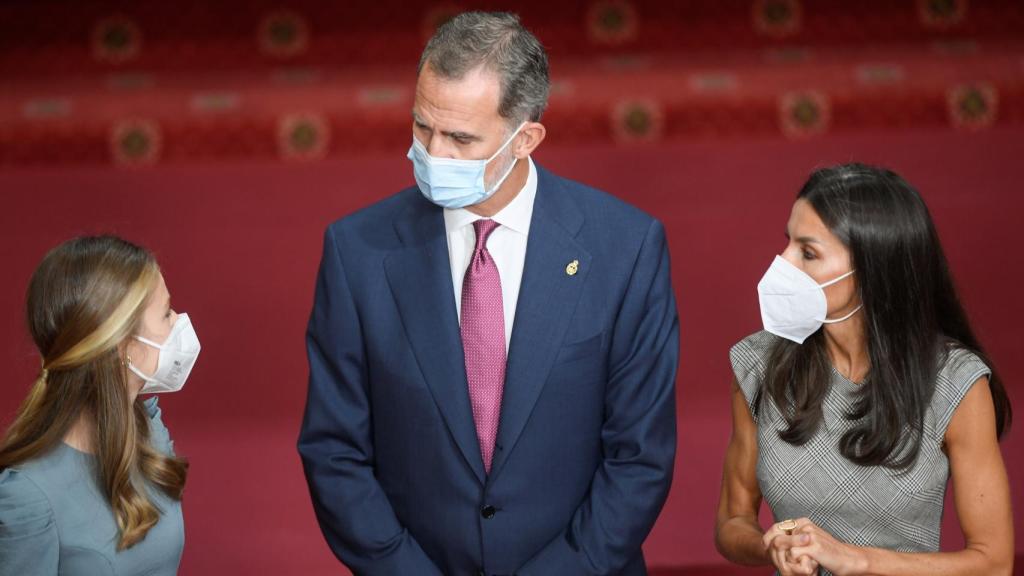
[{"x": 89, "y": 481}]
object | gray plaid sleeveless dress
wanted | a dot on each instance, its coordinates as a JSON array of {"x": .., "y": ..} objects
[{"x": 860, "y": 505}]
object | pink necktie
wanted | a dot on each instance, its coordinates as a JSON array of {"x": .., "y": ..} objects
[{"x": 483, "y": 340}]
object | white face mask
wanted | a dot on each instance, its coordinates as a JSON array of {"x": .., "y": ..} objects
[
  {"x": 454, "y": 183},
  {"x": 177, "y": 356},
  {"x": 793, "y": 305}
]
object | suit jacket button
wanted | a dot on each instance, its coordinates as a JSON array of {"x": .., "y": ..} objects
[{"x": 487, "y": 512}]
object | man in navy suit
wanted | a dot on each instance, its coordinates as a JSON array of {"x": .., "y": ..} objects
[{"x": 492, "y": 352}]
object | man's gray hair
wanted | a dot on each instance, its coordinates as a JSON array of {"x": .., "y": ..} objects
[{"x": 499, "y": 42}]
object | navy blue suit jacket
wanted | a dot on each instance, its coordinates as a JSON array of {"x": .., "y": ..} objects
[{"x": 586, "y": 440}]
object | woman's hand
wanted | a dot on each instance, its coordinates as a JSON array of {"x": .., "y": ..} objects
[
  {"x": 811, "y": 541},
  {"x": 780, "y": 542}
]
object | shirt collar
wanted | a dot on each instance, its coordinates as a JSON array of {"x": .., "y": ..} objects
[{"x": 515, "y": 216}]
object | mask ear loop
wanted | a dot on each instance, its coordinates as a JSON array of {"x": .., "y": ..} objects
[
  {"x": 855, "y": 310},
  {"x": 834, "y": 280},
  {"x": 134, "y": 370},
  {"x": 511, "y": 166},
  {"x": 507, "y": 142},
  {"x": 844, "y": 318},
  {"x": 149, "y": 342}
]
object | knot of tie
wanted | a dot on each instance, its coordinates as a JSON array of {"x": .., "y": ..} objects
[{"x": 483, "y": 229}]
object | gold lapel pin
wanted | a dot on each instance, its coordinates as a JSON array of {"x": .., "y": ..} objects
[{"x": 572, "y": 267}]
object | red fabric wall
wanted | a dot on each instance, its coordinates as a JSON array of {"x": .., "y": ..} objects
[
  {"x": 239, "y": 245},
  {"x": 147, "y": 81}
]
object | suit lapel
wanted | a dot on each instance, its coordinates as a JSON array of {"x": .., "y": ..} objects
[
  {"x": 547, "y": 300},
  {"x": 419, "y": 275}
]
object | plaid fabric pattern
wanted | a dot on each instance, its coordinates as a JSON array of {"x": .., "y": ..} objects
[{"x": 865, "y": 506}]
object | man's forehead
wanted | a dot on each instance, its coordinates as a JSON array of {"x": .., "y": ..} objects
[
  {"x": 473, "y": 97},
  {"x": 447, "y": 119}
]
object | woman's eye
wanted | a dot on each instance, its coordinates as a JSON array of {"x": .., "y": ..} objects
[{"x": 808, "y": 255}]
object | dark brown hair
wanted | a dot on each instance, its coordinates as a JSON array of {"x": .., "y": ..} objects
[{"x": 912, "y": 316}]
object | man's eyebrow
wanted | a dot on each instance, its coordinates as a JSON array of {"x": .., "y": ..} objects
[
  {"x": 456, "y": 134},
  {"x": 461, "y": 135}
]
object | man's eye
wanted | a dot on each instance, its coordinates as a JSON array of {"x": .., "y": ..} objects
[{"x": 808, "y": 255}]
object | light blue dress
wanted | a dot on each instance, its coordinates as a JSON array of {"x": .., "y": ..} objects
[{"x": 54, "y": 519}]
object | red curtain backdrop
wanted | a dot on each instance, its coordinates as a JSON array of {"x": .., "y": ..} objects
[
  {"x": 240, "y": 243},
  {"x": 147, "y": 82}
]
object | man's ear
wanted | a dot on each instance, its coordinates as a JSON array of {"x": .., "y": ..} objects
[{"x": 528, "y": 139}]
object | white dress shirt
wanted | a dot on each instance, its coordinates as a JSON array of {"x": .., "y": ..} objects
[{"x": 507, "y": 245}]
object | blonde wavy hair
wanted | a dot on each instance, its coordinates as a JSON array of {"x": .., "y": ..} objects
[{"x": 85, "y": 300}]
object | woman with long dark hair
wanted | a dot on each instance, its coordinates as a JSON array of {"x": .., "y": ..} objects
[
  {"x": 865, "y": 392},
  {"x": 89, "y": 482}
]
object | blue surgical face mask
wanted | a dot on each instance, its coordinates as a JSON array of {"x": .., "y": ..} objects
[{"x": 453, "y": 183}]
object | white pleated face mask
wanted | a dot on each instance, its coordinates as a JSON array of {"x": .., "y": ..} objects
[
  {"x": 793, "y": 305},
  {"x": 177, "y": 356}
]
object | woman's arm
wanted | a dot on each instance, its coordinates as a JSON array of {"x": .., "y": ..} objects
[
  {"x": 982, "y": 495},
  {"x": 738, "y": 534},
  {"x": 737, "y": 531}
]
